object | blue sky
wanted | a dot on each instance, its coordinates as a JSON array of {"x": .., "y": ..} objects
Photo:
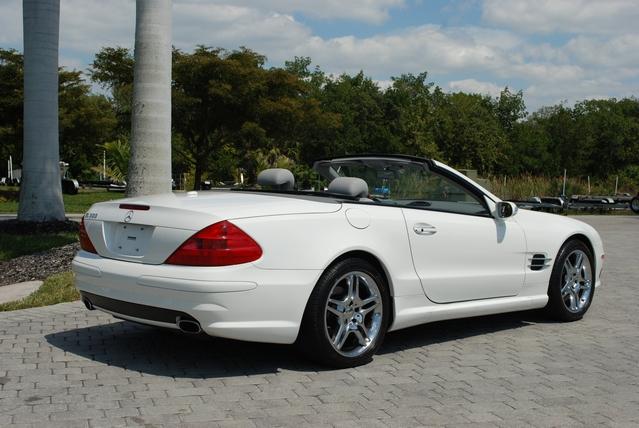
[{"x": 555, "y": 51}]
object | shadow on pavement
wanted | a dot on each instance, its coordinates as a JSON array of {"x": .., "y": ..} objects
[
  {"x": 446, "y": 331},
  {"x": 167, "y": 353}
]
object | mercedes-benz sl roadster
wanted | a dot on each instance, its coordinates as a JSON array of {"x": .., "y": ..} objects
[{"x": 386, "y": 243}]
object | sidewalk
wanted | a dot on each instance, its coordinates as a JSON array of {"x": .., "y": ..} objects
[{"x": 13, "y": 292}]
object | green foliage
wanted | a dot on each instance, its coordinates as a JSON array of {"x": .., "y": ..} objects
[
  {"x": 233, "y": 115},
  {"x": 86, "y": 120},
  {"x": 117, "y": 155},
  {"x": 409, "y": 108},
  {"x": 11, "y": 95},
  {"x": 57, "y": 288},
  {"x": 526, "y": 186},
  {"x": 226, "y": 102}
]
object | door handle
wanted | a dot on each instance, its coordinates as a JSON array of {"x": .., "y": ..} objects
[{"x": 424, "y": 229}]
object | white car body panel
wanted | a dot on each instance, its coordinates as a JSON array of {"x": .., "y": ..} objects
[
  {"x": 466, "y": 271},
  {"x": 467, "y": 257}
]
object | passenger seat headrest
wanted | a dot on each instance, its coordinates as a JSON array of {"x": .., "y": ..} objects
[
  {"x": 349, "y": 186},
  {"x": 276, "y": 178}
]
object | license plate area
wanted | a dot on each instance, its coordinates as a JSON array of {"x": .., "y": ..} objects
[{"x": 130, "y": 239}]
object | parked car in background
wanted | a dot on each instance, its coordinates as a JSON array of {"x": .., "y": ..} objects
[{"x": 393, "y": 242}]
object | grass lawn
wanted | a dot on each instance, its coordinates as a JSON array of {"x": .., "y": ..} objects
[
  {"x": 17, "y": 245},
  {"x": 56, "y": 289},
  {"x": 79, "y": 203}
]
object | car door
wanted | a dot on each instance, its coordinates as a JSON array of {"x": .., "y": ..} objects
[{"x": 459, "y": 250}]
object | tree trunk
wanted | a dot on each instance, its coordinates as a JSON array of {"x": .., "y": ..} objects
[
  {"x": 150, "y": 164},
  {"x": 197, "y": 177},
  {"x": 41, "y": 191}
]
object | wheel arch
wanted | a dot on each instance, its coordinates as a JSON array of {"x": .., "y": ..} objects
[
  {"x": 586, "y": 241},
  {"x": 375, "y": 261}
]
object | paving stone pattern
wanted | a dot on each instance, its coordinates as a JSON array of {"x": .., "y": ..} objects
[{"x": 65, "y": 366}]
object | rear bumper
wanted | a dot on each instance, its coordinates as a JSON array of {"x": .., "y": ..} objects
[{"x": 238, "y": 302}]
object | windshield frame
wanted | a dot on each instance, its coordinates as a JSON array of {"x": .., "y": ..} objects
[{"x": 429, "y": 164}]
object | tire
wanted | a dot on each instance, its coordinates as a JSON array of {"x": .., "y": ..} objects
[
  {"x": 571, "y": 288},
  {"x": 634, "y": 204},
  {"x": 347, "y": 315}
]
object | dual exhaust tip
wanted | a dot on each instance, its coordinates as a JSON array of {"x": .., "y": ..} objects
[{"x": 186, "y": 325}]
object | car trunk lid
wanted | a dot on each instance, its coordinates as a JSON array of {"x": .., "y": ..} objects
[{"x": 148, "y": 229}]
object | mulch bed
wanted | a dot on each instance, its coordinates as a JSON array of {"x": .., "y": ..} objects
[{"x": 37, "y": 266}]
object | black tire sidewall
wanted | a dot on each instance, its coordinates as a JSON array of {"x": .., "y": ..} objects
[
  {"x": 556, "y": 306},
  {"x": 634, "y": 205},
  {"x": 313, "y": 340}
]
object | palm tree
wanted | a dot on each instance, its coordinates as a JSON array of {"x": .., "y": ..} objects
[
  {"x": 150, "y": 164},
  {"x": 41, "y": 192}
]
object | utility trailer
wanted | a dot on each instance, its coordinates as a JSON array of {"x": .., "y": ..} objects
[{"x": 581, "y": 203}]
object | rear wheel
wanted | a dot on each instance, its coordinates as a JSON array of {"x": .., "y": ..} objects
[
  {"x": 571, "y": 287},
  {"x": 634, "y": 204},
  {"x": 347, "y": 315}
]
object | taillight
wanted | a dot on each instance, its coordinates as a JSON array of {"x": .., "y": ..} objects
[
  {"x": 220, "y": 244},
  {"x": 85, "y": 241}
]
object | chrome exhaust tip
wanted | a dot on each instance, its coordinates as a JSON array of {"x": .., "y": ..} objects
[
  {"x": 88, "y": 304},
  {"x": 188, "y": 326}
]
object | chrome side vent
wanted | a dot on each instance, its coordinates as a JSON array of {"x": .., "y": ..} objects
[{"x": 539, "y": 262}]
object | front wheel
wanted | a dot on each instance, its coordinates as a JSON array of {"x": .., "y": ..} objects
[
  {"x": 634, "y": 204},
  {"x": 571, "y": 287},
  {"x": 347, "y": 315}
]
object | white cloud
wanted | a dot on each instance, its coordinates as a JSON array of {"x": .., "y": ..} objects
[
  {"x": 601, "y": 55},
  {"x": 383, "y": 84},
  {"x": 620, "y": 51},
  {"x": 232, "y": 26},
  {"x": 428, "y": 47},
  {"x": 86, "y": 26},
  {"x": 576, "y": 16},
  {"x": 11, "y": 23},
  {"x": 475, "y": 87},
  {"x": 371, "y": 11}
]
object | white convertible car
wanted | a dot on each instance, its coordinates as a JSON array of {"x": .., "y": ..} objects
[{"x": 392, "y": 242}]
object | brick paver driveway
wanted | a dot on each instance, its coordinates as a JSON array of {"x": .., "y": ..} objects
[{"x": 65, "y": 366}]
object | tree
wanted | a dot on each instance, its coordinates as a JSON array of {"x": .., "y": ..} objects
[
  {"x": 112, "y": 68},
  {"x": 359, "y": 104},
  {"x": 226, "y": 102},
  {"x": 608, "y": 135},
  {"x": 468, "y": 132},
  {"x": 86, "y": 122},
  {"x": 409, "y": 112},
  {"x": 118, "y": 154},
  {"x": 150, "y": 164},
  {"x": 510, "y": 109},
  {"x": 41, "y": 192},
  {"x": 11, "y": 104}
]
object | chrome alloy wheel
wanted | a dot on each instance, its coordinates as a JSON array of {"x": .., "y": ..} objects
[
  {"x": 353, "y": 313},
  {"x": 577, "y": 281}
]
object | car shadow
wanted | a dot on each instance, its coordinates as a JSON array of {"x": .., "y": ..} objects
[
  {"x": 451, "y": 330},
  {"x": 167, "y": 353}
]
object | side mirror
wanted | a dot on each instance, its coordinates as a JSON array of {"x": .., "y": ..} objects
[{"x": 505, "y": 209}]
